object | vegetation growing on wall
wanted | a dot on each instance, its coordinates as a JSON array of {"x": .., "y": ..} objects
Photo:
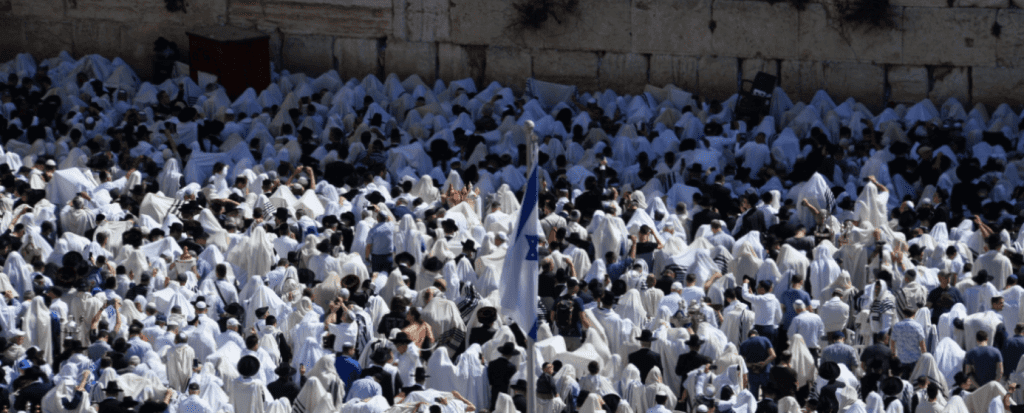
[
  {"x": 174, "y": 6},
  {"x": 870, "y": 13},
  {"x": 533, "y": 14}
]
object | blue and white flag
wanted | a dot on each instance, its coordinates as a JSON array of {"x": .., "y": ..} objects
[{"x": 522, "y": 268}]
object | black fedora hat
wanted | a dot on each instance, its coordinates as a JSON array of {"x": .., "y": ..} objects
[
  {"x": 401, "y": 338},
  {"x": 646, "y": 336},
  {"x": 508, "y": 349},
  {"x": 248, "y": 366}
]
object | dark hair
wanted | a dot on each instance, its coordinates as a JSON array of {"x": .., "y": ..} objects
[
  {"x": 982, "y": 335},
  {"x": 593, "y": 367},
  {"x": 252, "y": 341},
  {"x": 415, "y": 313}
]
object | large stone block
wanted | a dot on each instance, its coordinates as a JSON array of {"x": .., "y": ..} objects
[
  {"x": 315, "y": 19},
  {"x": 45, "y": 39},
  {"x": 427, "y": 26},
  {"x": 600, "y": 25},
  {"x": 1010, "y": 44},
  {"x": 48, "y": 9},
  {"x": 677, "y": 70},
  {"x": 568, "y": 67},
  {"x": 956, "y": 37},
  {"x": 349, "y": 3},
  {"x": 480, "y": 22},
  {"x": 950, "y": 82},
  {"x": 753, "y": 29},
  {"x": 137, "y": 44},
  {"x": 399, "y": 24},
  {"x": 357, "y": 57},
  {"x": 509, "y": 66},
  {"x": 672, "y": 27},
  {"x": 625, "y": 73},
  {"x": 801, "y": 79},
  {"x": 864, "y": 82},
  {"x": 310, "y": 54},
  {"x": 919, "y": 3},
  {"x": 407, "y": 58},
  {"x": 989, "y": 4},
  {"x": 824, "y": 38},
  {"x": 750, "y": 67},
  {"x": 12, "y": 38},
  {"x": 908, "y": 84},
  {"x": 276, "y": 42},
  {"x": 117, "y": 10},
  {"x": 93, "y": 36},
  {"x": 996, "y": 85},
  {"x": 453, "y": 62},
  {"x": 716, "y": 77}
]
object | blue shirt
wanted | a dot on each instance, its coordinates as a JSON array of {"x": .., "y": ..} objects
[
  {"x": 984, "y": 359},
  {"x": 382, "y": 238},
  {"x": 348, "y": 369},
  {"x": 908, "y": 335},
  {"x": 788, "y": 298},
  {"x": 1013, "y": 349},
  {"x": 755, "y": 350},
  {"x": 617, "y": 269}
]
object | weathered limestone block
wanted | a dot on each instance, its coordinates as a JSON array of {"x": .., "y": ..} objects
[
  {"x": 678, "y": 70},
  {"x": 407, "y": 58},
  {"x": 956, "y": 37},
  {"x": 315, "y": 19},
  {"x": 950, "y": 82},
  {"x": 480, "y": 22},
  {"x": 47, "y": 9},
  {"x": 989, "y": 4},
  {"x": 801, "y": 79},
  {"x": 908, "y": 84},
  {"x": 864, "y": 82},
  {"x": 753, "y": 29},
  {"x": 1010, "y": 44},
  {"x": 308, "y": 53},
  {"x": 672, "y": 27},
  {"x": 357, "y": 57},
  {"x": 624, "y": 73},
  {"x": 568, "y": 67},
  {"x": 716, "y": 77},
  {"x": 453, "y": 62},
  {"x": 996, "y": 85},
  {"x": 508, "y": 66},
  {"x": 823, "y": 38},
  {"x": 750, "y": 67},
  {"x": 96, "y": 36},
  {"x": 12, "y": 38},
  {"x": 44, "y": 39}
]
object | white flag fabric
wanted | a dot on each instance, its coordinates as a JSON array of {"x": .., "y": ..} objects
[{"x": 521, "y": 269}]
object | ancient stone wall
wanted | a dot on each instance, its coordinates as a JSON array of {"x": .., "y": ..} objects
[{"x": 969, "y": 49}]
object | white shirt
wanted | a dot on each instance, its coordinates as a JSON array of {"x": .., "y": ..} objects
[
  {"x": 767, "y": 310},
  {"x": 693, "y": 293},
  {"x": 344, "y": 333},
  {"x": 672, "y": 303},
  {"x": 808, "y": 325},
  {"x": 658, "y": 409}
]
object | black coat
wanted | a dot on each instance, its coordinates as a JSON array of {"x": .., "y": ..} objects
[
  {"x": 645, "y": 360},
  {"x": 500, "y": 372},
  {"x": 284, "y": 387},
  {"x": 767, "y": 405}
]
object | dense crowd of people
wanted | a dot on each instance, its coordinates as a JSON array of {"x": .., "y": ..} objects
[{"x": 330, "y": 245}]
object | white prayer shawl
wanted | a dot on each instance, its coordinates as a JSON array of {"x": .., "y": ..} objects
[
  {"x": 997, "y": 265},
  {"x": 324, "y": 371},
  {"x": 985, "y": 321},
  {"x": 36, "y": 324},
  {"x": 313, "y": 398},
  {"x": 949, "y": 358},
  {"x": 655, "y": 386},
  {"x": 18, "y": 272},
  {"x": 64, "y": 388},
  {"x": 928, "y": 367},
  {"x": 255, "y": 255},
  {"x": 248, "y": 395},
  {"x": 979, "y": 399},
  {"x": 849, "y": 401},
  {"x": 802, "y": 361},
  {"x": 179, "y": 366},
  {"x": 823, "y": 272}
]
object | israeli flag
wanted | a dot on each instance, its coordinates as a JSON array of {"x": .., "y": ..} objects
[{"x": 521, "y": 270}]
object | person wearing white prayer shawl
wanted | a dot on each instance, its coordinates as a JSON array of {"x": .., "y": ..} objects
[
  {"x": 179, "y": 363},
  {"x": 994, "y": 262},
  {"x": 231, "y": 334},
  {"x": 849, "y": 401},
  {"x": 978, "y": 298},
  {"x": 594, "y": 382},
  {"x": 194, "y": 403},
  {"x": 364, "y": 388},
  {"x": 313, "y": 398},
  {"x": 247, "y": 393}
]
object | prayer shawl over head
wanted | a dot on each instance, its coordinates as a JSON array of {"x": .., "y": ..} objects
[{"x": 36, "y": 324}]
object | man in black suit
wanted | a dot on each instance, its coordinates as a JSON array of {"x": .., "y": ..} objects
[
  {"x": 645, "y": 359},
  {"x": 519, "y": 398},
  {"x": 390, "y": 382},
  {"x": 111, "y": 404},
  {"x": 285, "y": 385},
  {"x": 720, "y": 195},
  {"x": 501, "y": 370},
  {"x": 753, "y": 218},
  {"x": 768, "y": 403},
  {"x": 705, "y": 216}
]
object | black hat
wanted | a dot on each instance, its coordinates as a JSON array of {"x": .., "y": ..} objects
[
  {"x": 193, "y": 386},
  {"x": 829, "y": 370},
  {"x": 421, "y": 373},
  {"x": 381, "y": 355},
  {"x": 508, "y": 349},
  {"x": 982, "y": 277},
  {"x": 248, "y": 366},
  {"x": 401, "y": 338},
  {"x": 646, "y": 336},
  {"x": 892, "y": 386},
  {"x": 519, "y": 385},
  {"x": 433, "y": 264},
  {"x": 694, "y": 342},
  {"x": 262, "y": 311},
  {"x": 469, "y": 245},
  {"x": 405, "y": 257},
  {"x": 487, "y": 315},
  {"x": 284, "y": 370},
  {"x": 374, "y": 197},
  {"x": 112, "y": 387}
]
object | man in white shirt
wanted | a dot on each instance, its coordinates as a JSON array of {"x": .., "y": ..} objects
[
  {"x": 720, "y": 238},
  {"x": 692, "y": 291},
  {"x": 809, "y": 326},
  {"x": 673, "y": 302},
  {"x": 835, "y": 313},
  {"x": 193, "y": 403},
  {"x": 767, "y": 310}
]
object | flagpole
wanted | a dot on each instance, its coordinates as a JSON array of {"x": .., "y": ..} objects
[{"x": 531, "y": 357}]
